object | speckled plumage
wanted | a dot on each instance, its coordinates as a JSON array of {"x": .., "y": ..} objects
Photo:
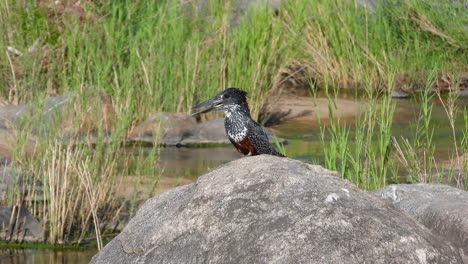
[{"x": 244, "y": 133}]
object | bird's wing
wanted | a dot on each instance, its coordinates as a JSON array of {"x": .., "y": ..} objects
[
  {"x": 239, "y": 147},
  {"x": 259, "y": 139}
]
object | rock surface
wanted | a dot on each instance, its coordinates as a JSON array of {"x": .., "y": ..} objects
[
  {"x": 441, "y": 208},
  {"x": 181, "y": 130},
  {"x": 12, "y": 116},
  {"x": 75, "y": 123},
  {"x": 20, "y": 183},
  {"x": 213, "y": 132},
  {"x": 169, "y": 129},
  {"x": 265, "y": 209},
  {"x": 208, "y": 132},
  {"x": 17, "y": 224}
]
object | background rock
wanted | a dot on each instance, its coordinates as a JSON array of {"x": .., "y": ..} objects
[
  {"x": 17, "y": 224},
  {"x": 265, "y": 209},
  {"x": 168, "y": 129},
  {"x": 208, "y": 132},
  {"x": 64, "y": 114},
  {"x": 441, "y": 208},
  {"x": 180, "y": 129},
  {"x": 213, "y": 132},
  {"x": 238, "y": 7},
  {"x": 11, "y": 116},
  {"x": 21, "y": 184}
]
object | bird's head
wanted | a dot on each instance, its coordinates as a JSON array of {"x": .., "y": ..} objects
[{"x": 229, "y": 100}]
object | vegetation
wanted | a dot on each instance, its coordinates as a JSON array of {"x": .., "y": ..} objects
[
  {"x": 165, "y": 55},
  {"x": 361, "y": 154},
  {"x": 368, "y": 154},
  {"x": 77, "y": 189}
]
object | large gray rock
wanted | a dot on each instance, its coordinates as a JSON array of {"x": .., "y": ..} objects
[
  {"x": 441, "y": 208},
  {"x": 265, "y": 209}
]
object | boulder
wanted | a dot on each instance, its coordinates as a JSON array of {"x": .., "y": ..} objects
[
  {"x": 441, "y": 208},
  {"x": 212, "y": 132},
  {"x": 168, "y": 129},
  {"x": 64, "y": 114},
  {"x": 208, "y": 132},
  {"x": 25, "y": 185},
  {"x": 17, "y": 224},
  {"x": 11, "y": 116},
  {"x": 266, "y": 209},
  {"x": 181, "y": 130}
]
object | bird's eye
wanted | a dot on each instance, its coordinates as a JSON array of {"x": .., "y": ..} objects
[{"x": 226, "y": 96}]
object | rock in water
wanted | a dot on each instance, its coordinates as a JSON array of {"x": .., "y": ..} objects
[{"x": 265, "y": 209}]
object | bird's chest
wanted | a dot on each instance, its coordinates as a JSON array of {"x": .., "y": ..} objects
[{"x": 236, "y": 129}]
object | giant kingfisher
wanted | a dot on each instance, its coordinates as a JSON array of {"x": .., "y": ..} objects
[{"x": 244, "y": 133}]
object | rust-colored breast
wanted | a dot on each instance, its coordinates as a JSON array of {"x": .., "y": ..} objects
[{"x": 246, "y": 145}]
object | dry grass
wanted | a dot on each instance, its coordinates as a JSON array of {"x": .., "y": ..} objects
[
  {"x": 73, "y": 194},
  {"x": 73, "y": 188}
]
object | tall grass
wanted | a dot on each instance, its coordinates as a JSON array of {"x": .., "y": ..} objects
[
  {"x": 74, "y": 179},
  {"x": 159, "y": 54},
  {"x": 360, "y": 152},
  {"x": 168, "y": 54},
  {"x": 353, "y": 47},
  {"x": 464, "y": 147},
  {"x": 368, "y": 154},
  {"x": 418, "y": 156},
  {"x": 348, "y": 47}
]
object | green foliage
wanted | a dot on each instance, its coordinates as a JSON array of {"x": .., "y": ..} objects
[
  {"x": 361, "y": 154},
  {"x": 280, "y": 146},
  {"x": 76, "y": 178},
  {"x": 367, "y": 154},
  {"x": 166, "y": 55}
]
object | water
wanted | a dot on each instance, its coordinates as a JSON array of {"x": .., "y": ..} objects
[
  {"x": 46, "y": 256},
  {"x": 183, "y": 165}
]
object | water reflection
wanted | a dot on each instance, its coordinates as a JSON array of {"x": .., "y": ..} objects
[{"x": 45, "y": 256}]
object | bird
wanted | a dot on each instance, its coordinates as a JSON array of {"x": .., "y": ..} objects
[{"x": 244, "y": 133}]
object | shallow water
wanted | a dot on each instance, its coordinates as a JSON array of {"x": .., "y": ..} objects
[
  {"x": 303, "y": 141},
  {"x": 46, "y": 256},
  {"x": 184, "y": 165}
]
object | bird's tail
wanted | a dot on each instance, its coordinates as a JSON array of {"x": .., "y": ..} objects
[{"x": 277, "y": 153}]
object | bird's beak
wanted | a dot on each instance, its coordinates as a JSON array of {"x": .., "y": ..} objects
[{"x": 212, "y": 103}]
